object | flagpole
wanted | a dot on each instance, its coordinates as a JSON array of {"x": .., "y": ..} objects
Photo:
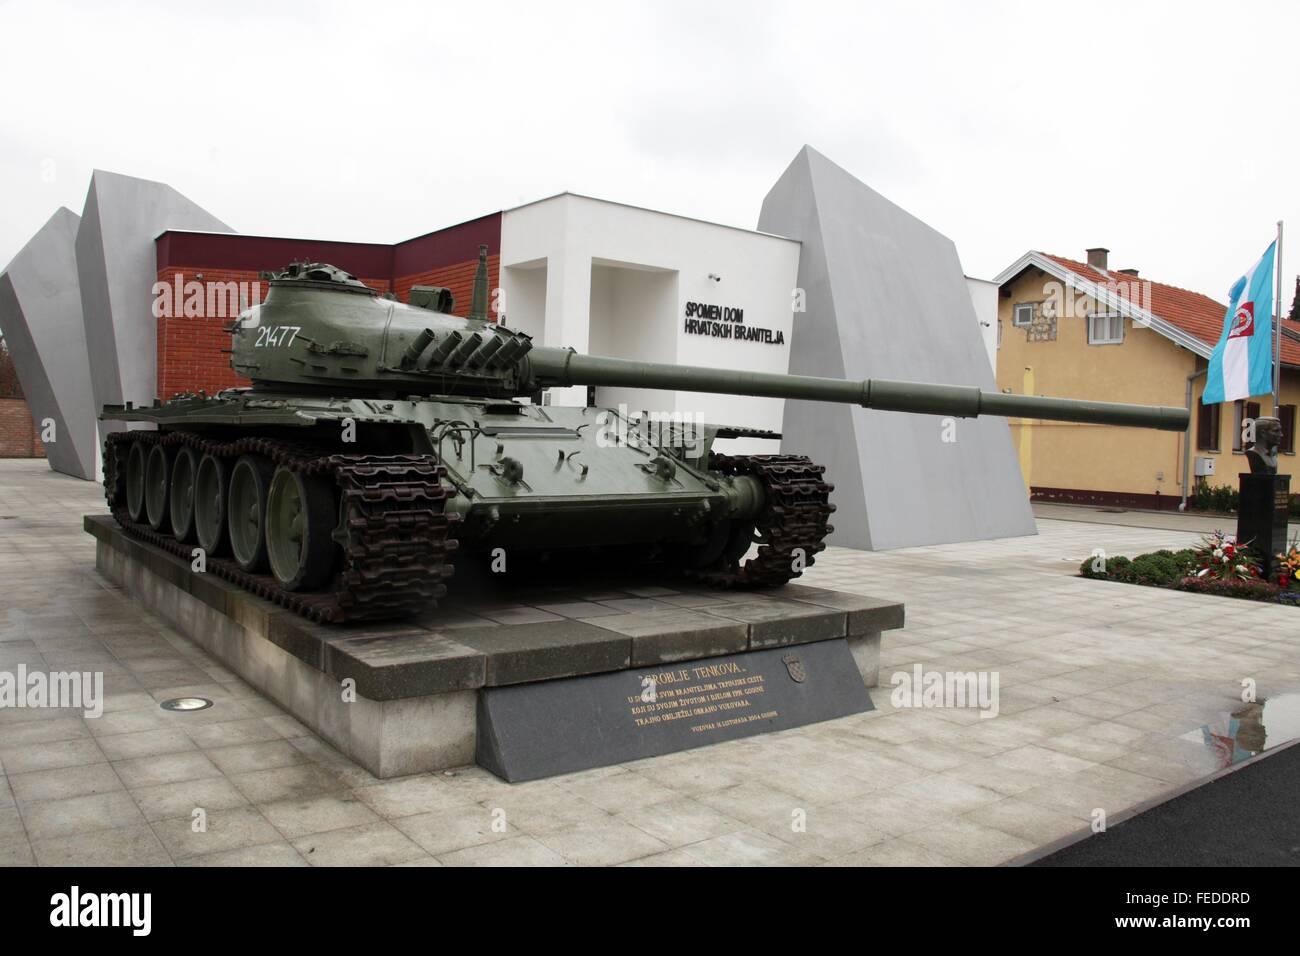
[{"x": 1277, "y": 323}]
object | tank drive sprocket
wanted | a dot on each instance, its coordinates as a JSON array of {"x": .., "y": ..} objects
[
  {"x": 789, "y": 531},
  {"x": 393, "y": 537}
]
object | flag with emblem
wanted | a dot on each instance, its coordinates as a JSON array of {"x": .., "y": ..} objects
[{"x": 1241, "y": 365}]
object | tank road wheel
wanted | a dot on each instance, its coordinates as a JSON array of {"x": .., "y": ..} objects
[
  {"x": 789, "y": 530},
  {"x": 300, "y": 518},
  {"x": 211, "y": 483},
  {"x": 157, "y": 478},
  {"x": 181, "y": 495},
  {"x": 250, "y": 481},
  {"x": 135, "y": 468}
]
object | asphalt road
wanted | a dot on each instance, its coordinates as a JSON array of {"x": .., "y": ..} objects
[
  {"x": 1192, "y": 522},
  {"x": 1247, "y": 818}
]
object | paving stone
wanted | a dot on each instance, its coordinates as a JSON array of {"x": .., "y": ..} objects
[
  {"x": 749, "y": 847},
  {"x": 182, "y": 798},
  {"x": 165, "y": 768},
  {"x": 124, "y": 846},
  {"x": 50, "y": 755},
  {"x": 774, "y": 623},
  {"x": 679, "y": 821},
  {"x": 602, "y": 843},
  {"x": 18, "y": 853},
  {"x": 101, "y": 811},
  {"x": 676, "y": 634},
  {"x": 515, "y": 851},
  {"x": 970, "y": 843},
  {"x": 332, "y": 811},
  {"x": 866, "y": 614},
  {"x": 44, "y": 731},
  {"x": 144, "y": 743},
  {"x": 263, "y": 755},
  {"x": 221, "y": 830},
  {"x": 228, "y": 733},
  {"x": 412, "y": 795},
  {"x": 543, "y": 651},
  {"x": 444, "y": 830},
  {"x": 579, "y": 610},
  {"x": 373, "y": 844},
  {"x": 265, "y": 854},
  {"x": 408, "y": 665},
  {"x": 64, "y": 782},
  {"x": 286, "y": 783}
]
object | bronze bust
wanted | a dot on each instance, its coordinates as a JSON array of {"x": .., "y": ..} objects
[{"x": 1263, "y": 454}]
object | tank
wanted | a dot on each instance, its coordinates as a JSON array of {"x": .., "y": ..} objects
[{"x": 381, "y": 442}]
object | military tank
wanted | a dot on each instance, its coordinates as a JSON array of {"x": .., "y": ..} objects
[{"x": 379, "y": 438}]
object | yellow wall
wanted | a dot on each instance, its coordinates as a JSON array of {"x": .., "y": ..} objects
[{"x": 1147, "y": 369}]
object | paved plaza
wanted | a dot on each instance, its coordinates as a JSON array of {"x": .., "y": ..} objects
[{"x": 1104, "y": 691}]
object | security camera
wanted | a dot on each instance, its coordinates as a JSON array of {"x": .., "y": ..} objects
[{"x": 715, "y": 277}]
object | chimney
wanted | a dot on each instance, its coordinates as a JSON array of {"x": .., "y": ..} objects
[
  {"x": 1129, "y": 272},
  {"x": 1097, "y": 258}
]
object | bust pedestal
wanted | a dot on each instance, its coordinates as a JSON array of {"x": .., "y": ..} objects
[{"x": 1262, "y": 517}]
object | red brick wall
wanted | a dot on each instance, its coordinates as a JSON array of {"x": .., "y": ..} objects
[
  {"x": 190, "y": 355},
  {"x": 18, "y": 435},
  {"x": 458, "y": 277}
]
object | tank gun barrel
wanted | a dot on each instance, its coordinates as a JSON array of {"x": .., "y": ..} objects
[{"x": 553, "y": 367}]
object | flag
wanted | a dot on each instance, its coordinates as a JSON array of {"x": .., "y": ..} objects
[{"x": 1241, "y": 365}]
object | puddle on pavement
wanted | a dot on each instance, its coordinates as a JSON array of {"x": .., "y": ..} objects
[{"x": 1251, "y": 729}]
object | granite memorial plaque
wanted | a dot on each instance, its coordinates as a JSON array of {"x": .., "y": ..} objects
[
  {"x": 1262, "y": 516},
  {"x": 529, "y": 731}
]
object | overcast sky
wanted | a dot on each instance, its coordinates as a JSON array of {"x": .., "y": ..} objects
[{"x": 1166, "y": 131}]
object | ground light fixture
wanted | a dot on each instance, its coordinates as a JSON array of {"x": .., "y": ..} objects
[{"x": 186, "y": 703}]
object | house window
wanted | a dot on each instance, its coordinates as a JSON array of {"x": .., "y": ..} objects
[
  {"x": 1024, "y": 315},
  {"x": 1287, "y": 414},
  {"x": 1207, "y": 428},
  {"x": 1105, "y": 328},
  {"x": 999, "y": 333},
  {"x": 1241, "y": 411}
]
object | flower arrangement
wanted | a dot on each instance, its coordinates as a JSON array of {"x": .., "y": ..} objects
[
  {"x": 1220, "y": 556},
  {"x": 1218, "y": 566},
  {"x": 1288, "y": 568}
]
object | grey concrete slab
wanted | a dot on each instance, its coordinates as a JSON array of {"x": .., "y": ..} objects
[
  {"x": 40, "y": 316},
  {"x": 886, "y": 298},
  {"x": 117, "y": 266},
  {"x": 545, "y": 651},
  {"x": 404, "y": 659}
]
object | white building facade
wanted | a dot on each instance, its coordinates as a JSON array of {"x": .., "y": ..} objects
[{"x": 615, "y": 280}]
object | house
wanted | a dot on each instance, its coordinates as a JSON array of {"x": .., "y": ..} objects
[{"x": 1082, "y": 330}]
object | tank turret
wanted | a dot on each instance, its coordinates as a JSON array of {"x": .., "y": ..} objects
[{"x": 381, "y": 442}]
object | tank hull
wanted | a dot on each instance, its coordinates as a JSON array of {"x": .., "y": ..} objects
[{"x": 499, "y": 482}]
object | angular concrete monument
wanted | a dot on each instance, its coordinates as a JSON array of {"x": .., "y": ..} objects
[
  {"x": 886, "y": 298},
  {"x": 40, "y": 315},
  {"x": 117, "y": 264}
]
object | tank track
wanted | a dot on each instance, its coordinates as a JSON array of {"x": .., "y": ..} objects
[
  {"x": 794, "y": 518},
  {"x": 399, "y": 541}
]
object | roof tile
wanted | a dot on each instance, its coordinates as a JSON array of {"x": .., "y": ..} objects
[{"x": 1192, "y": 312}]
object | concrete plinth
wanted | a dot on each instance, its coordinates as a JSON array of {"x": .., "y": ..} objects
[{"x": 401, "y": 698}]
